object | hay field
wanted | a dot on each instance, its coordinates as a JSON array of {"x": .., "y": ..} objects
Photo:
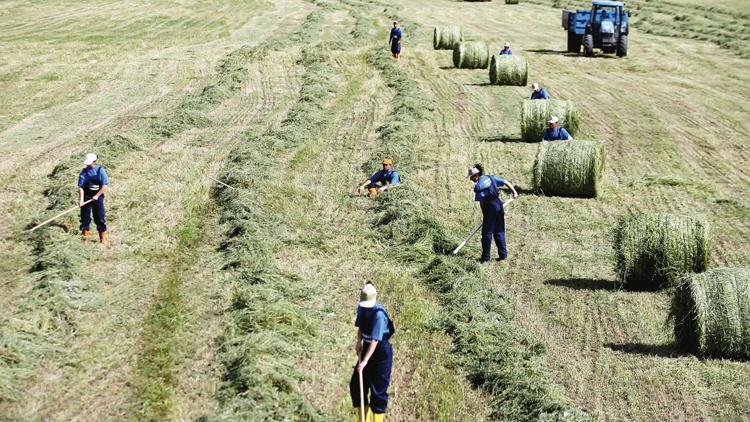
[{"x": 295, "y": 100}]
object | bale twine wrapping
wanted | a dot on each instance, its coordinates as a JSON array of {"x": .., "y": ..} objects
[
  {"x": 569, "y": 168},
  {"x": 447, "y": 37},
  {"x": 471, "y": 55},
  {"x": 509, "y": 70},
  {"x": 655, "y": 250},
  {"x": 536, "y": 113},
  {"x": 711, "y": 313}
]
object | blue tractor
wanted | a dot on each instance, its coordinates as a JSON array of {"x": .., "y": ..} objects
[{"x": 605, "y": 26}]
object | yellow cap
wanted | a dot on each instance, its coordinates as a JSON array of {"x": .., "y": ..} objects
[{"x": 388, "y": 161}]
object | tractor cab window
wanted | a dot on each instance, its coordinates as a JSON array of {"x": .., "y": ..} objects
[{"x": 606, "y": 17}]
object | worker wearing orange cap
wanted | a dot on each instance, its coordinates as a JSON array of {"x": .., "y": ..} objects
[{"x": 382, "y": 180}]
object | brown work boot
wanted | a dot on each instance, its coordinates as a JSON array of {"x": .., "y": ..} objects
[
  {"x": 373, "y": 193},
  {"x": 86, "y": 234},
  {"x": 103, "y": 237}
]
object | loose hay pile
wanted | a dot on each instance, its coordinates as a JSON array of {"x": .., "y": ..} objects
[
  {"x": 509, "y": 70},
  {"x": 656, "y": 250},
  {"x": 711, "y": 313},
  {"x": 536, "y": 113},
  {"x": 569, "y": 168},
  {"x": 471, "y": 55},
  {"x": 447, "y": 37}
]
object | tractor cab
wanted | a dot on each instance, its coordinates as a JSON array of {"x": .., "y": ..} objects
[{"x": 605, "y": 26}]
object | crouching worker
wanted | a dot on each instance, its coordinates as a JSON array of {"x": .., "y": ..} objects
[
  {"x": 375, "y": 356},
  {"x": 381, "y": 181},
  {"x": 92, "y": 183},
  {"x": 486, "y": 191},
  {"x": 554, "y": 132}
]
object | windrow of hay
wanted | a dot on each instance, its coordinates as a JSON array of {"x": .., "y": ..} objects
[
  {"x": 447, "y": 37},
  {"x": 270, "y": 320},
  {"x": 569, "y": 168},
  {"x": 711, "y": 313},
  {"x": 535, "y": 115},
  {"x": 655, "y": 250},
  {"x": 496, "y": 354},
  {"x": 509, "y": 70},
  {"x": 471, "y": 55}
]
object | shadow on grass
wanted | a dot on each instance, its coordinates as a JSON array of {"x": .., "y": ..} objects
[
  {"x": 554, "y": 52},
  {"x": 503, "y": 138},
  {"x": 582, "y": 283},
  {"x": 662, "y": 350},
  {"x": 479, "y": 84},
  {"x": 448, "y": 67}
]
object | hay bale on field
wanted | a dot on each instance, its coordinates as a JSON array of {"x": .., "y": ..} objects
[
  {"x": 569, "y": 168},
  {"x": 447, "y": 37},
  {"x": 509, "y": 70},
  {"x": 536, "y": 113},
  {"x": 711, "y": 313},
  {"x": 655, "y": 250},
  {"x": 471, "y": 55}
]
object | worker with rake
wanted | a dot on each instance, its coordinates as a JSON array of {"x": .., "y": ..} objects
[
  {"x": 555, "y": 132},
  {"x": 372, "y": 375},
  {"x": 487, "y": 193},
  {"x": 92, "y": 183},
  {"x": 381, "y": 180},
  {"x": 395, "y": 40}
]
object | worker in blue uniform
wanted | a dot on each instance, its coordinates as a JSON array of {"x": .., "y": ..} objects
[
  {"x": 381, "y": 180},
  {"x": 554, "y": 132},
  {"x": 93, "y": 181},
  {"x": 506, "y": 51},
  {"x": 374, "y": 353},
  {"x": 395, "y": 40},
  {"x": 538, "y": 93},
  {"x": 486, "y": 192}
]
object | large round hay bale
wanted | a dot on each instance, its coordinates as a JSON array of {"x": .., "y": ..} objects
[
  {"x": 447, "y": 37},
  {"x": 569, "y": 168},
  {"x": 711, "y": 313},
  {"x": 536, "y": 113},
  {"x": 508, "y": 70},
  {"x": 471, "y": 55},
  {"x": 655, "y": 250}
]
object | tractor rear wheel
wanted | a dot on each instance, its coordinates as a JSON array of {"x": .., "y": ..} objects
[
  {"x": 622, "y": 46},
  {"x": 574, "y": 42},
  {"x": 588, "y": 45}
]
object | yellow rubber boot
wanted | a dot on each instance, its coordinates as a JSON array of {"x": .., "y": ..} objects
[
  {"x": 373, "y": 193},
  {"x": 378, "y": 417},
  {"x": 368, "y": 414}
]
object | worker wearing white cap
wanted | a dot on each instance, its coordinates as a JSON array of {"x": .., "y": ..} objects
[
  {"x": 92, "y": 183},
  {"x": 506, "y": 49},
  {"x": 538, "y": 93},
  {"x": 554, "y": 132},
  {"x": 375, "y": 355}
]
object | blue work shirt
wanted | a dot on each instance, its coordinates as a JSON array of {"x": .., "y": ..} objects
[
  {"x": 93, "y": 178},
  {"x": 540, "y": 95},
  {"x": 556, "y": 134},
  {"x": 391, "y": 177},
  {"x": 373, "y": 322},
  {"x": 396, "y": 35},
  {"x": 506, "y": 52},
  {"x": 487, "y": 187}
]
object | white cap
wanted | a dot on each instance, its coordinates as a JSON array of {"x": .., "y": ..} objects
[
  {"x": 535, "y": 85},
  {"x": 507, "y": 44},
  {"x": 90, "y": 158},
  {"x": 472, "y": 171},
  {"x": 553, "y": 119},
  {"x": 367, "y": 296}
]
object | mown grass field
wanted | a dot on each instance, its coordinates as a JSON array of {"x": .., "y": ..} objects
[{"x": 238, "y": 304}]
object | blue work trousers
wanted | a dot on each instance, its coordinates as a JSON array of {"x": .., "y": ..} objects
[
  {"x": 493, "y": 225},
  {"x": 376, "y": 378},
  {"x": 97, "y": 207}
]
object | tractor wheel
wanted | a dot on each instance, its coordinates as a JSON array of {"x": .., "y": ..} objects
[
  {"x": 588, "y": 45},
  {"x": 622, "y": 46},
  {"x": 574, "y": 42}
]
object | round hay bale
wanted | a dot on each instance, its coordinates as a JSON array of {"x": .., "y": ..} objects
[
  {"x": 569, "y": 168},
  {"x": 536, "y": 113},
  {"x": 447, "y": 37},
  {"x": 471, "y": 55},
  {"x": 655, "y": 250},
  {"x": 509, "y": 70},
  {"x": 711, "y": 313}
]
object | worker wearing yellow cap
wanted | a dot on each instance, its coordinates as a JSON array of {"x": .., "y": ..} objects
[{"x": 382, "y": 180}]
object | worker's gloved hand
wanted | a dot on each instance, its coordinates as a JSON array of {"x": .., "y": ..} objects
[{"x": 381, "y": 189}]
